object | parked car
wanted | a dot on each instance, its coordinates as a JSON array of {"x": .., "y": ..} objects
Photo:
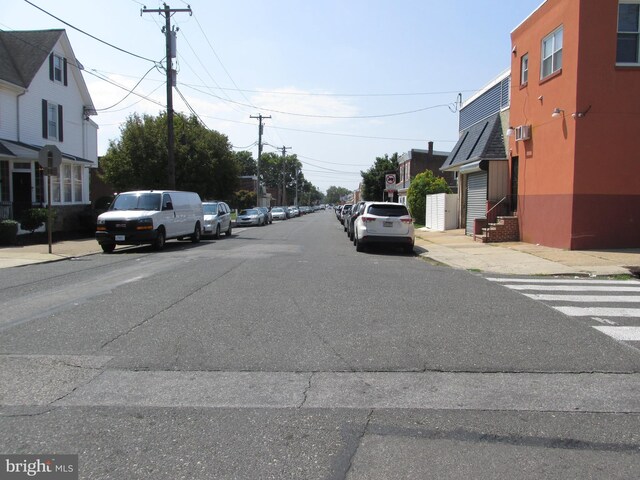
[
  {"x": 346, "y": 208},
  {"x": 278, "y": 213},
  {"x": 384, "y": 223},
  {"x": 356, "y": 210},
  {"x": 217, "y": 218},
  {"x": 268, "y": 218},
  {"x": 250, "y": 216},
  {"x": 150, "y": 217},
  {"x": 294, "y": 211}
]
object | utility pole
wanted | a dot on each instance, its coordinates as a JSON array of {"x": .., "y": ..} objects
[
  {"x": 260, "y": 130},
  {"x": 284, "y": 185},
  {"x": 170, "y": 37}
]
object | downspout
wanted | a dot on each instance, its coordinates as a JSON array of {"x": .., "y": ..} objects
[{"x": 18, "y": 114}]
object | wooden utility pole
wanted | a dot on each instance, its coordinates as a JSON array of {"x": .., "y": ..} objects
[
  {"x": 284, "y": 183},
  {"x": 260, "y": 130},
  {"x": 170, "y": 37}
]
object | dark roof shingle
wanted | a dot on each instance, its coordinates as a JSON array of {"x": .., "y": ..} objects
[{"x": 22, "y": 53}]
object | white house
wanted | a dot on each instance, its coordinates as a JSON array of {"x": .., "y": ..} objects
[{"x": 44, "y": 101}]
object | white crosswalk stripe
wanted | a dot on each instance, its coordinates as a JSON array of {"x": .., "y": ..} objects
[{"x": 602, "y": 300}]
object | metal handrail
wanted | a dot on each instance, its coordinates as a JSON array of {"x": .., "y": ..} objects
[{"x": 498, "y": 203}]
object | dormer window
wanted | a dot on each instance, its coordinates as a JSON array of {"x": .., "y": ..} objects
[{"x": 57, "y": 68}]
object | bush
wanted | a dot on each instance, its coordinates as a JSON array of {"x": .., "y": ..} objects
[
  {"x": 8, "y": 232},
  {"x": 34, "y": 218},
  {"x": 425, "y": 183}
]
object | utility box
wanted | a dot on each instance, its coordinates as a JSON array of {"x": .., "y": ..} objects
[{"x": 442, "y": 211}]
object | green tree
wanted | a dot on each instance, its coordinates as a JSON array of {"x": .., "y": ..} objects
[
  {"x": 425, "y": 183},
  {"x": 246, "y": 163},
  {"x": 373, "y": 180},
  {"x": 243, "y": 199},
  {"x": 334, "y": 194},
  {"x": 203, "y": 158}
]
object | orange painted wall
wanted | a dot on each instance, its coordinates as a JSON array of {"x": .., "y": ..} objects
[{"x": 579, "y": 178}]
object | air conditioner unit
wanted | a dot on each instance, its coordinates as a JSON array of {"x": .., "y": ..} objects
[{"x": 523, "y": 132}]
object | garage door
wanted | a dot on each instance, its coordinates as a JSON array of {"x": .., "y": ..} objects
[{"x": 476, "y": 198}]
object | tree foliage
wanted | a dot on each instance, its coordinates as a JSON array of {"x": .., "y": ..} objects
[
  {"x": 373, "y": 180},
  {"x": 246, "y": 163},
  {"x": 203, "y": 158},
  {"x": 335, "y": 193},
  {"x": 425, "y": 183}
]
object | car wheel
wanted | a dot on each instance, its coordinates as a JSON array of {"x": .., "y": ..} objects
[
  {"x": 408, "y": 249},
  {"x": 195, "y": 237},
  {"x": 228, "y": 232},
  {"x": 108, "y": 247},
  {"x": 359, "y": 246},
  {"x": 217, "y": 234},
  {"x": 158, "y": 244}
]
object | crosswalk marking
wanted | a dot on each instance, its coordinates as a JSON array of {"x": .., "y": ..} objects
[
  {"x": 574, "y": 288},
  {"x": 559, "y": 280},
  {"x": 624, "y": 334},
  {"x": 583, "y": 298},
  {"x": 599, "y": 311}
]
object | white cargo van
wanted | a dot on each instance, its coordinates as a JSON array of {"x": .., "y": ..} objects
[{"x": 150, "y": 217}]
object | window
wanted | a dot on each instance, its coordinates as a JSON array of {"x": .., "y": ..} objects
[
  {"x": 628, "y": 33},
  {"x": 524, "y": 69},
  {"x": 52, "y": 119},
  {"x": 57, "y": 68},
  {"x": 77, "y": 183},
  {"x": 551, "y": 53}
]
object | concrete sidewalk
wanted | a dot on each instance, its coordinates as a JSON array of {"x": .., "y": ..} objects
[
  {"x": 452, "y": 248},
  {"x": 457, "y": 250}
]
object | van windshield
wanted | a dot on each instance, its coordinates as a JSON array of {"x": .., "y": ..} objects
[{"x": 137, "y": 201}]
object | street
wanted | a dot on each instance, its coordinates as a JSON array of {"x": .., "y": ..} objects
[{"x": 281, "y": 352}]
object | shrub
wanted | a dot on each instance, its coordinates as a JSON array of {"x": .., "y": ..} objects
[
  {"x": 8, "y": 232},
  {"x": 33, "y": 219},
  {"x": 425, "y": 183}
]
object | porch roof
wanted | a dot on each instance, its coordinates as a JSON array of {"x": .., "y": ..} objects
[
  {"x": 12, "y": 150},
  {"x": 481, "y": 141}
]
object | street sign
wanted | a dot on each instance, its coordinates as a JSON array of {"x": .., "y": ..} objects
[
  {"x": 49, "y": 156},
  {"x": 390, "y": 181}
]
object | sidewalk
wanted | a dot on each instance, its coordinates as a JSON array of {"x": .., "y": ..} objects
[
  {"x": 452, "y": 248},
  {"x": 457, "y": 250}
]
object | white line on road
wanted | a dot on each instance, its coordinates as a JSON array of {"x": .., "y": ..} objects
[
  {"x": 625, "y": 334},
  {"x": 599, "y": 312},
  {"x": 573, "y": 288},
  {"x": 555, "y": 280},
  {"x": 584, "y": 298}
]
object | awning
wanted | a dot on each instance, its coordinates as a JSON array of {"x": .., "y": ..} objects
[
  {"x": 477, "y": 166},
  {"x": 481, "y": 141},
  {"x": 12, "y": 150}
]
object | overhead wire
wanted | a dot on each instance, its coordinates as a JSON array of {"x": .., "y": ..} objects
[
  {"x": 89, "y": 35},
  {"x": 128, "y": 93}
]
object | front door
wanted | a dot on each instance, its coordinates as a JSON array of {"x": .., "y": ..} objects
[{"x": 21, "y": 187}]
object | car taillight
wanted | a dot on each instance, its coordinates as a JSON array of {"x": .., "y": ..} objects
[
  {"x": 406, "y": 220},
  {"x": 366, "y": 219}
]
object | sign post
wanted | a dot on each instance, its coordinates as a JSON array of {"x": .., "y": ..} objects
[
  {"x": 49, "y": 159},
  {"x": 390, "y": 184}
]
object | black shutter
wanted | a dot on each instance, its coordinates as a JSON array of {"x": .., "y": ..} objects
[
  {"x": 60, "y": 137},
  {"x": 51, "y": 77},
  {"x": 45, "y": 120},
  {"x": 64, "y": 72}
]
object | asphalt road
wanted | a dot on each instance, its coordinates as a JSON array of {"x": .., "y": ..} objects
[{"x": 283, "y": 353}]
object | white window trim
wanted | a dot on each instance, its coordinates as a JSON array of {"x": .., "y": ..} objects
[
  {"x": 58, "y": 60},
  {"x": 52, "y": 106},
  {"x": 523, "y": 80},
  {"x": 553, "y": 52},
  {"x": 60, "y": 186},
  {"x": 627, "y": 64}
]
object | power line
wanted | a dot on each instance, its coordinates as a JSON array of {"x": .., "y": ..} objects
[
  {"x": 128, "y": 93},
  {"x": 89, "y": 35}
]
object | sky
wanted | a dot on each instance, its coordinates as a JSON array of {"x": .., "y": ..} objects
[{"x": 344, "y": 81}]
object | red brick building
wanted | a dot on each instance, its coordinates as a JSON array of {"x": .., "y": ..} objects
[{"x": 575, "y": 93}]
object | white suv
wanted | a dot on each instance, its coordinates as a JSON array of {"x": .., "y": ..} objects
[{"x": 384, "y": 223}]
